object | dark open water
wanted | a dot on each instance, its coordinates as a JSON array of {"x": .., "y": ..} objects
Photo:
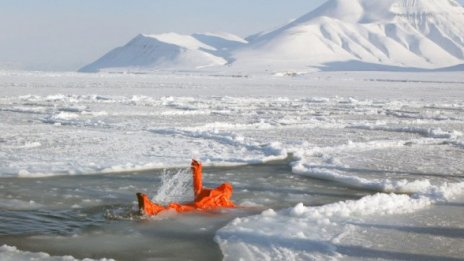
[{"x": 95, "y": 216}]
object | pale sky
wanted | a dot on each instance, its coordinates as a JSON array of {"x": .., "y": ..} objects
[{"x": 64, "y": 35}]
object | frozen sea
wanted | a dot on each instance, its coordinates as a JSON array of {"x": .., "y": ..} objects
[{"x": 327, "y": 165}]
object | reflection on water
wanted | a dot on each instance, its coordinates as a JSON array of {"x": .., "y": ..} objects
[{"x": 96, "y": 216}]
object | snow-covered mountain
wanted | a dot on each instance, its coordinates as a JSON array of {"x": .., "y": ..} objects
[
  {"x": 347, "y": 33},
  {"x": 339, "y": 35},
  {"x": 168, "y": 51}
]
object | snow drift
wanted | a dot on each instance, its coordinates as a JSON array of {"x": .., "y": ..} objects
[{"x": 339, "y": 35}]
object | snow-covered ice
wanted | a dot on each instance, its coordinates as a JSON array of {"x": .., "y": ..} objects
[
  {"x": 384, "y": 149},
  {"x": 10, "y": 253},
  {"x": 326, "y": 232}
]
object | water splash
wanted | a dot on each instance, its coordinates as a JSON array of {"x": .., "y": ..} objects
[{"x": 175, "y": 187}]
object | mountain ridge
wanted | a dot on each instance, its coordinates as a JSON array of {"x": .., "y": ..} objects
[{"x": 422, "y": 34}]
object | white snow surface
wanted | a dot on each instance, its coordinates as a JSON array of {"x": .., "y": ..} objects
[
  {"x": 11, "y": 253},
  {"x": 62, "y": 124},
  {"x": 316, "y": 233},
  {"x": 391, "y": 35}
]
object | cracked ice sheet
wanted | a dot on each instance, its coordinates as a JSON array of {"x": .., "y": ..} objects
[
  {"x": 53, "y": 124},
  {"x": 77, "y": 124},
  {"x": 373, "y": 227}
]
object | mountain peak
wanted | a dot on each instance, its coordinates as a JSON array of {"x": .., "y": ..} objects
[
  {"x": 182, "y": 40},
  {"x": 399, "y": 33},
  {"x": 363, "y": 11}
]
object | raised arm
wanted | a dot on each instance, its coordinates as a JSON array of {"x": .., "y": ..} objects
[{"x": 197, "y": 177}]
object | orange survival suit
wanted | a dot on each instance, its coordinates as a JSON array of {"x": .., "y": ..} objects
[{"x": 205, "y": 199}]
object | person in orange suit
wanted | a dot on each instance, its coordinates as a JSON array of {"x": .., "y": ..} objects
[{"x": 205, "y": 198}]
